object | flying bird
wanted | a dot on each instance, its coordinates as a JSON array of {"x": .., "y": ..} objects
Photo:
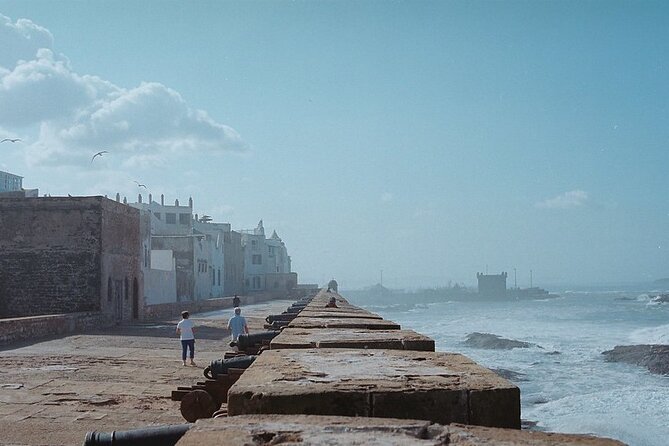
[
  {"x": 98, "y": 154},
  {"x": 10, "y": 140},
  {"x": 140, "y": 185}
]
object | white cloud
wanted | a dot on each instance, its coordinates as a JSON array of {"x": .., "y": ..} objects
[
  {"x": 21, "y": 40},
  {"x": 572, "y": 199},
  {"x": 387, "y": 197},
  {"x": 79, "y": 115}
]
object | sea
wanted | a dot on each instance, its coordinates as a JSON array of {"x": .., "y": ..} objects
[{"x": 565, "y": 383}]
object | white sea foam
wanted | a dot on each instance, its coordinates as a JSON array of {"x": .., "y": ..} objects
[
  {"x": 574, "y": 390},
  {"x": 650, "y": 335}
]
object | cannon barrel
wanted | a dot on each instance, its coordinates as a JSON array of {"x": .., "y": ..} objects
[
  {"x": 280, "y": 317},
  {"x": 277, "y": 325},
  {"x": 249, "y": 340},
  {"x": 221, "y": 366},
  {"x": 294, "y": 310},
  {"x": 167, "y": 435}
]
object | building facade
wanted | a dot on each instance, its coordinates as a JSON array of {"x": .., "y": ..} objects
[
  {"x": 492, "y": 286},
  {"x": 69, "y": 255},
  {"x": 266, "y": 262},
  {"x": 10, "y": 182}
]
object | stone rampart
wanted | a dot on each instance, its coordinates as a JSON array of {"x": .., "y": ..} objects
[
  {"x": 174, "y": 309},
  {"x": 35, "y": 327}
]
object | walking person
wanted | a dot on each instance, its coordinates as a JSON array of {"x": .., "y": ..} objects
[
  {"x": 186, "y": 332},
  {"x": 237, "y": 325},
  {"x": 236, "y": 302}
]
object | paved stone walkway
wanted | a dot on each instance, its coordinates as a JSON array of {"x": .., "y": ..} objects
[{"x": 52, "y": 392}]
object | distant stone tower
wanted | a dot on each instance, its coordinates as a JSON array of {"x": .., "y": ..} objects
[
  {"x": 333, "y": 285},
  {"x": 492, "y": 286}
]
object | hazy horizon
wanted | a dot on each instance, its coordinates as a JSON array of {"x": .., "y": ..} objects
[{"x": 430, "y": 140}]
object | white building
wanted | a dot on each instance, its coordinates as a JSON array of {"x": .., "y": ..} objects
[
  {"x": 255, "y": 258},
  {"x": 278, "y": 260},
  {"x": 10, "y": 182},
  {"x": 198, "y": 247},
  {"x": 171, "y": 236},
  {"x": 266, "y": 262},
  {"x": 210, "y": 254}
]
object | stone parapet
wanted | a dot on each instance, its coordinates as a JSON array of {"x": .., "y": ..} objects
[
  {"x": 36, "y": 327},
  {"x": 338, "y": 313},
  {"x": 174, "y": 309},
  {"x": 343, "y": 322},
  {"x": 352, "y": 338},
  {"x": 345, "y": 431},
  {"x": 439, "y": 387}
]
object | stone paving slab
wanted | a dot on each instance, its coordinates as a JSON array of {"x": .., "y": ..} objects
[
  {"x": 351, "y": 338},
  {"x": 116, "y": 379},
  {"x": 335, "y": 322},
  {"x": 249, "y": 430},
  {"x": 439, "y": 387}
]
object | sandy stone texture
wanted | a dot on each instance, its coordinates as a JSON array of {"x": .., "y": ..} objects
[
  {"x": 52, "y": 392},
  {"x": 252, "y": 430},
  {"x": 352, "y": 338},
  {"x": 440, "y": 387}
]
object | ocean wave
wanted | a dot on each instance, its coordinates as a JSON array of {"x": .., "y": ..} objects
[{"x": 651, "y": 335}]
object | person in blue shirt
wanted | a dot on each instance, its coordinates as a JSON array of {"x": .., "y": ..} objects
[{"x": 237, "y": 325}]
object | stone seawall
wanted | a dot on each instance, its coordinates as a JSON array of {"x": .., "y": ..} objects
[
  {"x": 174, "y": 309},
  {"x": 31, "y": 328},
  {"x": 340, "y": 375},
  {"x": 37, "y": 327}
]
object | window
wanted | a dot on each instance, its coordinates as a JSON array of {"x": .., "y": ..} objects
[
  {"x": 254, "y": 245},
  {"x": 271, "y": 251},
  {"x": 109, "y": 290},
  {"x": 257, "y": 259},
  {"x": 184, "y": 219},
  {"x": 213, "y": 277},
  {"x": 170, "y": 218},
  {"x": 126, "y": 290},
  {"x": 219, "y": 277},
  {"x": 256, "y": 282}
]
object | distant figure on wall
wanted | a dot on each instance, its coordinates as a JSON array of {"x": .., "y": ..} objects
[
  {"x": 186, "y": 332},
  {"x": 332, "y": 286},
  {"x": 236, "y": 301},
  {"x": 332, "y": 303},
  {"x": 237, "y": 325}
]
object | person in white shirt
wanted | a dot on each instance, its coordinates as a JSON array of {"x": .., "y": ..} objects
[{"x": 185, "y": 331}]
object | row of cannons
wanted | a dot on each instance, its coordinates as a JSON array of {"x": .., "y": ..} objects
[{"x": 328, "y": 372}]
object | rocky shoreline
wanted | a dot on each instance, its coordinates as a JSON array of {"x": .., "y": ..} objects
[{"x": 654, "y": 357}]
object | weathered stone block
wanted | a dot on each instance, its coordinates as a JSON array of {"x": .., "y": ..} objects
[
  {"x": 334, "y": 431},
  {"x": 335, "y": 322},
  {"x": 380, "y": 383},
  {"x": 340, "y": 312},
  {"x": 352, "y": 338}
]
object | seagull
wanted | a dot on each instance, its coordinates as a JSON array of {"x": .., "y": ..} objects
[
  {"x": 10, "y": 140},
  {"x": 140, "y": 185},
  {"x": 98, "y": 154}
]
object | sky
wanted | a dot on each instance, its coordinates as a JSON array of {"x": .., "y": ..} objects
[{"x": 428, "y": 140}]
